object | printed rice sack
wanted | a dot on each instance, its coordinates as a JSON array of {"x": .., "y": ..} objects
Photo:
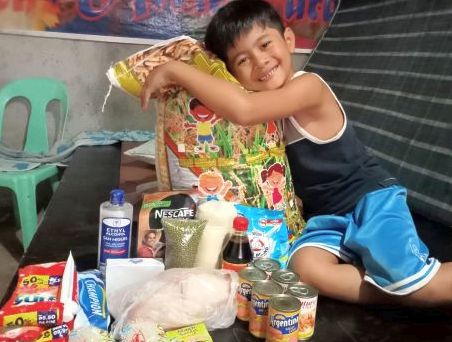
[{"x": 195, "y": 148}]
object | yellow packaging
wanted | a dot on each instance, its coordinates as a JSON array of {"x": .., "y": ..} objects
[
  {"x": 197, "y": 332},
  {"x": 195, "y": 148},
  {"x": 129, "y": 74}
]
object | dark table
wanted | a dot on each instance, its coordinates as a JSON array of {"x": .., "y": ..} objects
[{"x": 71, "y": 224}]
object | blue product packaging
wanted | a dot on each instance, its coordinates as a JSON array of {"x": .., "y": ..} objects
[
  {"x": 92, "y": 300},
  {"x": 267, "y": 232}
]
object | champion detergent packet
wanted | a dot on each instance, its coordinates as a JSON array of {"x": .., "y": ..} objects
[{"x": 92, "y": 301}]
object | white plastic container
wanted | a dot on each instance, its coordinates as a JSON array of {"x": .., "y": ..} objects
[
  {"x": 219, "y": 216},
  {"x": 115, "y": 229}
]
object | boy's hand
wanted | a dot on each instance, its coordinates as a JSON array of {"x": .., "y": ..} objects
[{"x": 156, "y": 81}]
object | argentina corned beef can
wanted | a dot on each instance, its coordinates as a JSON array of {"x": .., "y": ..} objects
[
  {"x": 283, "y": 319},
  {"x": 285, "y": 278},
  {"x": 260, "y": 297},
  {"x": 267, "y": 265},
  {"x": 247, "y": 276}
]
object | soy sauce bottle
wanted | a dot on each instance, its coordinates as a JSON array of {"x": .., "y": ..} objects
[{"x": 237, "y": 253}]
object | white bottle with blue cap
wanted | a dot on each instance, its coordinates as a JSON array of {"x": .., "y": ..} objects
[{"x": 115, "y": 228}]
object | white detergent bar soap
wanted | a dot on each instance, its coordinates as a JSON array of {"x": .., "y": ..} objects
[{"x": 115, "y": 228}]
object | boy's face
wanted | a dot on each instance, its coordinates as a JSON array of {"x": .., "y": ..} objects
[{"x": 261, "y": 58}]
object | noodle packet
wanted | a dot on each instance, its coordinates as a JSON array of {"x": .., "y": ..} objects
[
  {"x": 55, "y": 334},
  {"x": 34, "y": 334},
  {"x": 89, "y": 334},
  {"x": 23, "y": 334},
  {"x": 197, "y": 332},
  {"x": 142, "y": 331}
]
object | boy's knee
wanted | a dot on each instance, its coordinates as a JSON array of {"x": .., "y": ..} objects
[
  {"x": 302, "y": 264},
  {"x": 311, "y": 263}
]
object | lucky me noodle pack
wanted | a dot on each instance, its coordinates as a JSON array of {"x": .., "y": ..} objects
[{"x": 198, "y": 149}]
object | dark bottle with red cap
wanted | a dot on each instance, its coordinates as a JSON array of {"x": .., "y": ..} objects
[{"x": 237, "y": 254}]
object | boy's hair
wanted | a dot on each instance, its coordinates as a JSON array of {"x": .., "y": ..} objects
[{"x": 236, "y": 18}]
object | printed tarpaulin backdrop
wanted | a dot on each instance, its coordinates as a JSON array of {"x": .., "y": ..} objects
[{"x": 152, "y": 19}]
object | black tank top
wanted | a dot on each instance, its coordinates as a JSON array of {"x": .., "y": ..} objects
[{"x": 330, "y": 176}]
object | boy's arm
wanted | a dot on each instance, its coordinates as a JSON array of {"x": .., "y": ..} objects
[{"x": 230, "y": 101}]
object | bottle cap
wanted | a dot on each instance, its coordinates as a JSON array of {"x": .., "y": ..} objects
[
  {"x": 240, "y": 223},
  {"x": 117, "y": 196}
]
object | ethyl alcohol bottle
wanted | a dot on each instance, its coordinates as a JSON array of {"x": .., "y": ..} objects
[
  {"x": 115, "y": 228},
  {"x": 237, "y": 254}
]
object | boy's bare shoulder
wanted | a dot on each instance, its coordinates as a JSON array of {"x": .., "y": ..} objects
[
  {"x": 309, "y": 84},
  {"x": 307, "y": 77},
  {"x": 308, "y": 88},
  {"x": 318, "y": 107}
]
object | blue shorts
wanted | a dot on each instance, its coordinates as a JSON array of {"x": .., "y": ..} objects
[{"x": 378, "y": 235}]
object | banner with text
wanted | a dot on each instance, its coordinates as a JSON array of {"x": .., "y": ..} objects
[{"x": 152, "y": 19}]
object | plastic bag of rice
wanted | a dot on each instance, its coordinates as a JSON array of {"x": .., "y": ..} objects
[{"x": 195, "y": 148}]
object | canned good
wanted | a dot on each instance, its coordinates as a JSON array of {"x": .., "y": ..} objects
[
  {"x": 283, "y": 317},
  {"x": 247, "y": 276},
  {"x": 260, "y": 296},
  {"x": 307, "y": 296},
  {"x": 267, "y": 265},
  {"x": 285, "y": 278}
]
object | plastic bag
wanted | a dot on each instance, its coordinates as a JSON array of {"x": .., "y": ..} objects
[
  {"x": 89, "y": 334},
  {"x": 182, "y": 241},
  {"x": 182, "y": 296}
]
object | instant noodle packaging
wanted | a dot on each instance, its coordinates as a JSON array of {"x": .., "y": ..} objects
[
  {"x": 196, "y": 148},
  {"x": 197, "y": 332},
  {"x": 34, "y": 334}
]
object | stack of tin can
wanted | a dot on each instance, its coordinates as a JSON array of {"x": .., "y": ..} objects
[{"x": 276, "y": 304}]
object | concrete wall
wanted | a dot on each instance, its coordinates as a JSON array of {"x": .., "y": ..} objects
[{"x": 81, "y": 65}]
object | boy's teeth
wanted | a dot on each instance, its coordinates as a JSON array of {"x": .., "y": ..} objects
[{"x": 267, "y": 76}]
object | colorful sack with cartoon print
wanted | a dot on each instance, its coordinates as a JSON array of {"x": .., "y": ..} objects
[{"x": 197, "y": 149}]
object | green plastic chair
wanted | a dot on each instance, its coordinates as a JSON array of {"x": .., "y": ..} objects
[{"x": 39, "y": 92}]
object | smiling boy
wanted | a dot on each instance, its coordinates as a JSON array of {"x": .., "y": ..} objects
[{"x": 360, "y": 244}]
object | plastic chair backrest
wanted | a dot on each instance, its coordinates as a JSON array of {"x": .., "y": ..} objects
[{"x": 39, "y": 92}]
